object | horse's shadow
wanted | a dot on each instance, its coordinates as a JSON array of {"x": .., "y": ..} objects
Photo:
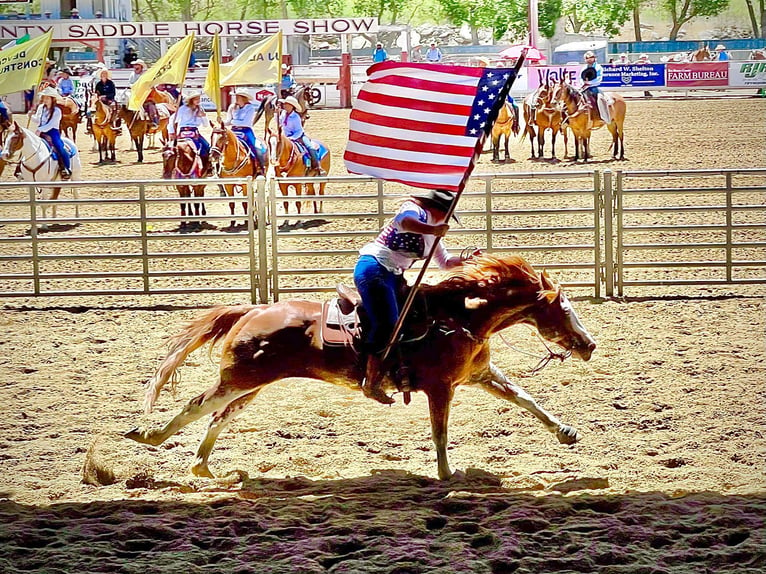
[
  {"x": 54, "y": 228},
  {"x": 286, "y": 226}
]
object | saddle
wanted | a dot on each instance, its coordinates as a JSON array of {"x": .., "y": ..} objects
[
  {"x": 69, "y": 147},
  {"x": 341, "y": 324}
]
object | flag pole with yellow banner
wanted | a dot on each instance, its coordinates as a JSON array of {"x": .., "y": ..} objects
[
  {"x": 259, "y": 64},
  {"x": 169, "y": 69},
  {"x": 22, "y": 66},
  {"x": 212, "y": 85}
]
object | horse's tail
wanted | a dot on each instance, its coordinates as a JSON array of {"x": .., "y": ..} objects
[{"x": 208, "y": 327}]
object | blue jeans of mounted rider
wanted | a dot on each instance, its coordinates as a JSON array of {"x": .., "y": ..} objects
[
  {"x": 246, "y": 135},
  {"x": 54, "y": 137},
  {"x": 305, "y": 141},
  {"x": 378, "y": 289}
]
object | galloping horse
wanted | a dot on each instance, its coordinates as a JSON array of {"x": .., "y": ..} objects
[
  {"x": 261, "y": 343},
  {"x": 581, "y": 118},
  {"x": 70, "y": 117},
  {"x": 37, "y": 162},
  {"x": 183, "y": 162},
  {"x": 268, "y": 105},
  {"x": 232, "y": 158},
  {"x": 546, "y": 115},
  {"x": 104, "y": 131},
  {"x": 507, "y": 122},
  {"x": 287, "y": 159}
]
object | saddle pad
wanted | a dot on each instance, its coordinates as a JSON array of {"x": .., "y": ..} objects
[
  {"x": 69, "y": 146},
  {"x": 338, "y": 329}
]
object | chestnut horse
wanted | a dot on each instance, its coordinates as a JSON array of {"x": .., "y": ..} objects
[
  {"x": 70, "y": 117},
  {"x": 507, "y": 122},
  {"x": 268, "y": 343},
  {"x": 231, "y": 158},
  {"x": 287, "y": 159},
  {"x": 182, "y": 161},
  {"x": 303, "y": 94},
  {"x": 545, "y": 115},
  {"x": 582, "y": 119},
  {"x": 104, "y": 131},
  {"x": 140, "y": 126}
]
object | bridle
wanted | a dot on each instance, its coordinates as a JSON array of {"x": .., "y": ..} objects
[
  {"x": 34, "y": 152},
  {"x": 219, "y": 152}
]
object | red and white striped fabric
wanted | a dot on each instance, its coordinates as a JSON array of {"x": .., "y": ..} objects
[{"x": 422, "y": 124}]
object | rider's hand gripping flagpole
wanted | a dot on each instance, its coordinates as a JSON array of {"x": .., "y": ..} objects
[{"x": 503, "y": 94}]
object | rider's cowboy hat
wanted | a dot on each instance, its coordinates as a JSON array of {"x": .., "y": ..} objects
[
  {"x": 139, "y": 62},
  {"x": 244, "y": 92},
  {"x": 50, "y": 92},
  {"x": 589, "y": 54},
  {"x": 285, "y": 67},
  {"x": 720, "y": 47},
  {"x": 66, "y": 71},
  {"x": 104, "y": 70},
  {"x": 191, "y": 94},
  {"x": 588, "y": 74},
  {"x": 441, "y": 199},
  {"x": 293, "y": 102}
]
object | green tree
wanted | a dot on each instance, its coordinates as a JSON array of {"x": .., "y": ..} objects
[
  {"x": 517, "y": 14},
  {"x": 757, "y": 17},
  {"x": 597, "y": 16},
  {"x": 396, "y": 10},
  {"x": 501, "y": 16},
  {"x": 681, "y": 11}
]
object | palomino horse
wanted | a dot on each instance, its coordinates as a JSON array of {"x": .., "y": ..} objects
[
  {"x": 182, "y": 161},
  {"x": 104, "y": 131},
  {"x": 231, "y": 157},
  {"x": 581, "y": 118},
  {"x": 287, "y": 159},
  {"x": 507, "y": 122},
  {"x": 70, "y": 117},
  {"x": 545, "y": 115},
  {"x": 37, "y": 163},
  {"x": 303, "y": 94},
  {"x": 261, "y": 343}
]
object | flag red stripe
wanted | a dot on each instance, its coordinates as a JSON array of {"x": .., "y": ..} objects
[
  {"x": 407, "y": 166},
  {"x": 408, "y": 124},
  {"x": 400, "y": 68},
  {"x": 407, "y": 145},
  {"x": 415, "y": 105},
  {"x": 428, "y": 85}
]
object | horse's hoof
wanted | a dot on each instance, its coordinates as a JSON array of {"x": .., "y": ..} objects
[
  {"x": 567, "y": 434},
  {"x": 137, "y": 434},
  {"x": 202, "y": 470}
]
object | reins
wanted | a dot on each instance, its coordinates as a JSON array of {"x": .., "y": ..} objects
[{"x": 543, "y": 361}]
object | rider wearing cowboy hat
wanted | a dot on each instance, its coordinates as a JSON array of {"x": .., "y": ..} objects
[
  {"x": 240, "y": 116},
  {"x": 65, "y": 85},
  {"x": 150, "y": 107},
  {"x": 287, "y": 85},
  {"x": 107, "y": 92},
  {"x": 292, "y": 126},
  {"x": 189, "y": 118},
  {"x": 592, "y": 75},
  {"x": 48, "y": 118},
  {"x": 139, "y": 67},
  {"x": 723, "y": 55}
]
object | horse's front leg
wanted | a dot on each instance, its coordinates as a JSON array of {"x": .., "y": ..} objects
[
  {"x": 497, "y": 384},
  {"x": 507, "y": 153},
  {"x": 438, "y": 405}
]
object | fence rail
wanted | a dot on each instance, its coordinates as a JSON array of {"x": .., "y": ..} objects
[{"x": 604, "y": 232}]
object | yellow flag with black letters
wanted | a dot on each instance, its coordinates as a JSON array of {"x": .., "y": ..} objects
[
  {"x": 259, "y": 64},
  {"x": 22, "y": 66},
  {"x": 169, "y": 69}
]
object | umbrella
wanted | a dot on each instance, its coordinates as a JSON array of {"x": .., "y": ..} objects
[{"x": 513, "y": 52}]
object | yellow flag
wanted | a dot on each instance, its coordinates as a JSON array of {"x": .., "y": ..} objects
[
  {"x": 258, "y": 64},
  {"x": 22, "y": 66},
  {"x": 213, "y": 79},
  {"x": 169, "y": 69}
]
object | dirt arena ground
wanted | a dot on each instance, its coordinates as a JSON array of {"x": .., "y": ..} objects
[{"x": 668, "y": 477}]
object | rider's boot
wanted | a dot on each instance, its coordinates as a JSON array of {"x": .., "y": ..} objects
[
  {"x": 65, "y": 173},
  {"x": 315, "y": 166},
  {"x": 372, "y": 384}
]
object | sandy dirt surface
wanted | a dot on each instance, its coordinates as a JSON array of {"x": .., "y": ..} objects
[{"x": 668, "y": 477}]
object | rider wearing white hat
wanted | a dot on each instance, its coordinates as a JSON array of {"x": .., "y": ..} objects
[
  {"x": 48, "y": 118},
  {"x": 139, "y": 67},
  {"x": 186, "y": 123},
  {"x": 292, "y": 127},
  {"x": 240, "y": 116},
  {"x": 287, "y": 85},
  {"x": 723, "y": 55}
]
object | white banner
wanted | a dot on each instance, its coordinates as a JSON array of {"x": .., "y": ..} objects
[
  {"x": 747, "y": 74},
  {"x": 97, "y": 30}
]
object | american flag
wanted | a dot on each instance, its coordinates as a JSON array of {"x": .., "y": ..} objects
[{"x": 424, "y": 124}]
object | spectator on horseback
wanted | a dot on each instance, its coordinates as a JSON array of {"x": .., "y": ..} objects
[
  {"x": 292, "y": 126},
  {"x": 48, "y": 118},
  {"x": 65, "y": 84},
  {"x": 107, "y": 93},
  {"x": 592, "y": 74},
  {"x": 186, "y": 123},
  {"x": 380, "y": 54},
  {"x": 150, "y": 106},
  {"x": 379, "y": 273},
  {"x": 240, "y": 116},
  {"x": 287, "y": 86}
]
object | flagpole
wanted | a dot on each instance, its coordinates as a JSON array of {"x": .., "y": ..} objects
[{"x": 479, "y": 145}]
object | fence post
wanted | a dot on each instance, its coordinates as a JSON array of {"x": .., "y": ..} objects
[
  {"x": 33, "y": 236},
  {"x": 597, "y": 202},
  {"x": 729, "y": 206},
  {"x": 274, "y": 240},
  {"x": 263, "y": 258},
  {"x": 381, "y": 208},
  {"x": 252, "y": 219},
  {"x": 608, "y": 247},
  {"x": 488, "y": 210},
  {"x": 620, "y": 239},
  {"x": 144, "y": 238}
]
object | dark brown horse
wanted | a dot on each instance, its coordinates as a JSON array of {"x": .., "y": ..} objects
[
  {"x": 231, "y": 157},
  {"x": 507, "y": 123},
  {"x": 582, "y": 119},
  {"x": 304, "y": 95},
  {"x": 182, "y": 161},
  {"x": 287, "y": 159},
  {"x": 268, "y": 343}
]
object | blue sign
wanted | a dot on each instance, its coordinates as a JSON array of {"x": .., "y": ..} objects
[{"x": 633, "y": 76}]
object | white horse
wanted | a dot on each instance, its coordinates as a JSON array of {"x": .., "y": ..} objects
[{"x": 37, "y": 164}]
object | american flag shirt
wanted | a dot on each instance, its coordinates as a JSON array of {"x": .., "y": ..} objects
[{"x": 396, "y": 249}]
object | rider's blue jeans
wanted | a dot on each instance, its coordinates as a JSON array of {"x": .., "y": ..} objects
[
  {"x": 58, "y": 145},
  {"x": 247, "y": 135},
  {"x": 378, "y": 287}
]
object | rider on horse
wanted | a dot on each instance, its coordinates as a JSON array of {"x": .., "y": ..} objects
[
  {"x": 48, "y": 118},
  {"x": 240, "y": 116},
  {"x": 107, "y": 93},
  {"x": 186, "y": 123},
  {"x": 287, "y": 86},
  {"x": 379, "y": 272},
  {"x": 592, "y": 74},
  {"x": 65, "y": 84},
  {"x": 292, "y": 127},
  {"x": 150, "y": 106}
]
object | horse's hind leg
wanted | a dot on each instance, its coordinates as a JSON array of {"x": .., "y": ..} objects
[
  {"x": 439, "y": 407},
  {"x": 497, "y": 384},
  {"x": 218, "y": 421}
]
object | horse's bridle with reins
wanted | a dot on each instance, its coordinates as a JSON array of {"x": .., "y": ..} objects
[
  {"x": 240, "y": 165},
  {"x": 21, "y": 161}
]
